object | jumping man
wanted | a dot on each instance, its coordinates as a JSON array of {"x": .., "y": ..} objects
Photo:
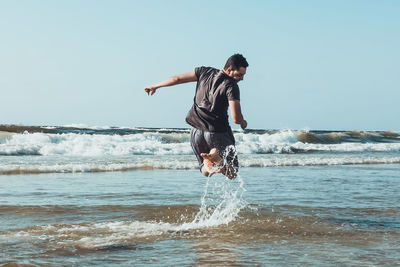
[{"x": 211, "y": 137}]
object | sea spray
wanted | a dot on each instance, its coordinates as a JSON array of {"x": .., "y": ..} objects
[
  {"x": 221, "y": 202},
  {"x": 223, "y": 199}
]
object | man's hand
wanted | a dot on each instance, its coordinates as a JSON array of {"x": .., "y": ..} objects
[
  {"x": 151, "y": 89},
  {"x": 243, "y": 124}
]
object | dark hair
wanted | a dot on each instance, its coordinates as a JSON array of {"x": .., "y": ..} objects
[{"x": 236, "y": 62}]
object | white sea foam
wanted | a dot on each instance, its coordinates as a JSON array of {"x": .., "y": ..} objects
[
  {"x": 265, "y": 143},
  {"x": 348, "y": 147},
  {"x": 95, "y": 235},
  {"x": 316, "y": 160},
  {"x": 184, "y": 163},
  {"x": 93, "y": 166},
  {"x": 93, "y": 145},
  {"x": 71, "y": 153},
  {"x": 168, "y": 143},
  {"x": 286, "y": 142},
  {"x": 4, "y": 136}
]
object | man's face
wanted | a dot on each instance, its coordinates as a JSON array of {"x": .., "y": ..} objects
[{"x": 237, "y": 75}]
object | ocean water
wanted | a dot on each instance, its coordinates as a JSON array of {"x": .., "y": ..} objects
[{"x": 105, "y": 196}]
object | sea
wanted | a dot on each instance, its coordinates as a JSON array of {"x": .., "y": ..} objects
[{"x": 76, "y": 195}]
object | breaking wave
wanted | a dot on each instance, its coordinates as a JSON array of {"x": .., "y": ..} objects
[
  {"x": 73, "y": 149},
  {"x": 47, "y": 141}
]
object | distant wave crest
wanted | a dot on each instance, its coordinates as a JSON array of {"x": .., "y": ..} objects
[{"x": 47, "y": 141}]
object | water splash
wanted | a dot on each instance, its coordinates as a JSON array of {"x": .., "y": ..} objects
[
  {"x": 222, "y": 198},
  {"x": 221, "y": 202}
]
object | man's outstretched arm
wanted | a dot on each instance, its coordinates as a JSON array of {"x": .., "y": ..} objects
[
  {"x": 177, "y": 79},
  {"x": 236, "y": 112}
]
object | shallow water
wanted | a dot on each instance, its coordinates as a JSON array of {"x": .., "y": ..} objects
[
  {"x": 73, "y": 196},
  {"x": 277, "y": 216}
]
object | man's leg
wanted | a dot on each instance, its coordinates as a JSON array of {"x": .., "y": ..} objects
[
  {"x": 200, "y": 146},
  {"x": 222, "y": 158}
]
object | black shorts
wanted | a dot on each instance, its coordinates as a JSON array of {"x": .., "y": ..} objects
[{"x": 203, "y": 142}]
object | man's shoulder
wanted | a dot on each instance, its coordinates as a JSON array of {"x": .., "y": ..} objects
[{"x": 205, "y": 70}]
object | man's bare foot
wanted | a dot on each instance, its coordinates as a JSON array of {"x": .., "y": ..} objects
[{"x": 212, "y": 161}]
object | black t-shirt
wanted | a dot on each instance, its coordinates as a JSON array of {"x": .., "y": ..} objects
[{"x": 210, "y": 108}]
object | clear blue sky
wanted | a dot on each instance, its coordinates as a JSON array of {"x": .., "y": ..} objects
[{"x": 313, "y": 64}]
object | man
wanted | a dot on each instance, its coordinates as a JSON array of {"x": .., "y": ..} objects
[{"x": 212, "y": 139}]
